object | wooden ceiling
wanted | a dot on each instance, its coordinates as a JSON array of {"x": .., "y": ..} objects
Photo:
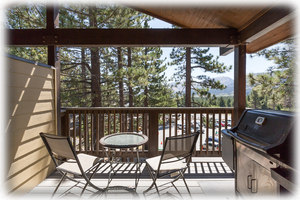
[
  {"x": 271, "y": 24},
  {"x": 206, "y": 17}
]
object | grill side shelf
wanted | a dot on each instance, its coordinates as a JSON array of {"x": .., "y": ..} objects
[{"x": 284, "y": 177}]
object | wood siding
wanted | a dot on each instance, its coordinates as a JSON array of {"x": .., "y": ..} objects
[{"x": 30, "y": 110}]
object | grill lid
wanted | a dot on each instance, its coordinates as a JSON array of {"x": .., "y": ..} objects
[{"x": 265, "y": 130}]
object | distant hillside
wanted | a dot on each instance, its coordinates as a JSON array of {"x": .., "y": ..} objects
[{"x": 228, "y": 91}]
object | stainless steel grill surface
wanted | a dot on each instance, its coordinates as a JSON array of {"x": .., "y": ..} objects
[{"x": 260, "y": 150}]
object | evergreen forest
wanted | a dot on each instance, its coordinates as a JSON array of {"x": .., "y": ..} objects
[{"x": 136, "y": 76}]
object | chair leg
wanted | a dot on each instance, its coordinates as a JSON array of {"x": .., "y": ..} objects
[
  {"x": 185, "y": 183},
  {"x": 153, "y": 179},
  {"x": 111, "y": 172},
  {"x": 61, "y": 180},
  {"x": 175, "y": 188},
  {"x": 151, "y": 186},
  {"x": 138, "y": 169},
  {"x": 88, "y": 180}
]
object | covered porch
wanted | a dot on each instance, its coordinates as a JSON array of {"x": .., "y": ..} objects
[{"x": 237, "y": 30}]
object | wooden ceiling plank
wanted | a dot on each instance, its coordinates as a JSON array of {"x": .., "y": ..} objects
[
  {"x": 123, "y": 37},
  {"x": 272, "y": 19},
  {"x": 281, "y": 33}
]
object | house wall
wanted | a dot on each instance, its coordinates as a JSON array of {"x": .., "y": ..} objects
[{"x": 31, "y": 109}]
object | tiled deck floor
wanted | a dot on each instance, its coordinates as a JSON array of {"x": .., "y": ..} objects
[{"x": 207, "y": 177}]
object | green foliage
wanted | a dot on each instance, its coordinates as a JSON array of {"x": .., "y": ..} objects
[
  {"x": 26, "y": 17},
  {"x": 200, "y": 60},
  {"x": 221, "y": 102},
  {"x": 213, "y": 101},
  {"x": 97, "y": 73},
  {"x": 254, "y": 100},
  {"x": 275, "y": 88},
  {"x": 144, "y": 77},
  {"x": 229, "y": 102},
  {"x": 151, "y": 88},
  {"x": 38, "y": 54}
]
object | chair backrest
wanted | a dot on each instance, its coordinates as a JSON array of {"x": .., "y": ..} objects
[
  {"x": 181, "y": 146},
  {"x": 59, "y": 147}
]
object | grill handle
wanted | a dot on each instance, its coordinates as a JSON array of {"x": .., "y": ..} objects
[
  {"x": 244, "y": 141},
  {"x": 253, "y": 185},
  {"x": 249, "y": 178}
]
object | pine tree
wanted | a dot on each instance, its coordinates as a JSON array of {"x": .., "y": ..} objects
[
  {"x": 104, "y": 69},
  {"x": 200, "y": 59},
  {"x": 254, "y": 99},
  {"x": 90, "y": 75},
  {"x": 153, "y": 90},
  {"x": 229, "y": 102},
  {"x": 25, "y": 17},
  {"x": 221, "y": 102},
  {"x": 277, "y": 84}
]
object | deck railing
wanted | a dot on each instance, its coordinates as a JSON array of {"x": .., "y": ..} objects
[{"x": 86, "y": 125}]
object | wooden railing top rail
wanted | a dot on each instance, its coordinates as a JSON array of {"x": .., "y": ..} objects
[{"x": 151, "y": 109}]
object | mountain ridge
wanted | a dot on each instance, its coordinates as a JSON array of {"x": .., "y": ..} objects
[{"x": 227, "y": 81}]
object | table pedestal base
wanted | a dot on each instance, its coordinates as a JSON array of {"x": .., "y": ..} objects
[{"x": 112, "y": 160}]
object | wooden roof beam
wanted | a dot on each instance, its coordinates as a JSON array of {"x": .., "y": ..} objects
[
  {"x": 224, "y": 51},
  {"x": 123, "y": 37},
  {"x": 271, "y": 20}
]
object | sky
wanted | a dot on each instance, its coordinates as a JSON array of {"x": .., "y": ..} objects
[{"x": 253, "y": 65}]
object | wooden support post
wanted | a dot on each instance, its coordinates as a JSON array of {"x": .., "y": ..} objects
[
  {"x": 130, "y": 89},
  {"x": 153, "y": 134},
  {"x": 64, "y": 123},
  {"x": 54, "y": 60},
  {"x": 188, "y": 89},
  {"x": 188, "y": 78},
  {"x": 239, "y": 81}
]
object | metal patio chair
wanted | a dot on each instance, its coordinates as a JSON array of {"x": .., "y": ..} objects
[
  {"x": 175, "y": 159},
  {"x": 67, "y": 162}
]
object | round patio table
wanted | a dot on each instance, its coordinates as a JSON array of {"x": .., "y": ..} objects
[{"x": 123, "y": 140}]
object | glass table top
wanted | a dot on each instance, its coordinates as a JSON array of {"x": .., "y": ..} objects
[{"x": 124, "y": 140}]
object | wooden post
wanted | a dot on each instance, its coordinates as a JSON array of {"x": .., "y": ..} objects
[
  {"x": 188, "y": 90},
  {"x": 121, "y": 83},
  {"x": 130, "y": 90},
  {"x": 54, "y": 59},
  {"x": 239, "y": 81},
  {"x": 153, "y": 134},
  {"x": 64, "y": 123},
  {"x": 188, "y": 78}
]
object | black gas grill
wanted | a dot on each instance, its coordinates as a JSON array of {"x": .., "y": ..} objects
[{"x": 260, "y": 149}]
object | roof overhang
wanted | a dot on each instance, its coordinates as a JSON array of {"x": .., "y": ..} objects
[{"x": 257, "y": 26}]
